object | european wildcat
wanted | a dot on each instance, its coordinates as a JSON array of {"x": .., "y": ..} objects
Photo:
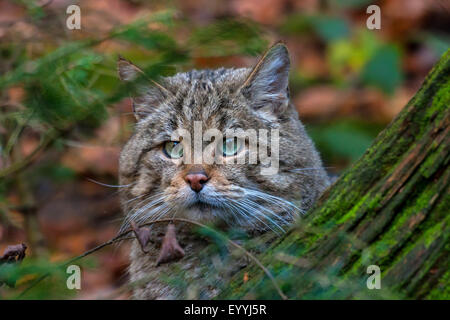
[{"x": 160, "y": 185}]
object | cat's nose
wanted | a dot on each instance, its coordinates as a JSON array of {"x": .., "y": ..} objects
[{"x": 196, "y": 180}]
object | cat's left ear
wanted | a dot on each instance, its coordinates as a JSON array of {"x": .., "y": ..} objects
[
  {"x": 127, "y": 70},
  {"x": 267, "y": 84}
]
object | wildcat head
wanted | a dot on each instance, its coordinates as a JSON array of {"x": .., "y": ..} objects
[{"x": 157, "y": 167}]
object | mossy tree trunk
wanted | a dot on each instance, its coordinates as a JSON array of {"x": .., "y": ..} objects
[{"x": 391, "y": 209}]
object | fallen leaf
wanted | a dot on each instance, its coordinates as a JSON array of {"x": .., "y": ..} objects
[
  {"x": 170, "y": 249},
  {"x": 14, "y": 253},
  {"x": 142, "y": 235}
]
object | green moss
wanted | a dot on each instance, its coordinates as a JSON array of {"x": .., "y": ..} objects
[
  {"x": 442, "y": 290},
  {"x": 433, "y": 161},
  {"x": 352, "y": 213},
  {"x": 441, "y": 101},
  {"x": 433, "y": 233}
]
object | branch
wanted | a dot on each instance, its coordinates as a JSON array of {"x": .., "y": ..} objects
[
  {"x": 120, "y": 237},
  {"x": 25, "y": 162}
]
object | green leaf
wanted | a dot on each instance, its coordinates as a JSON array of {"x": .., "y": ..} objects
[
  {"x": 57, "y": 172},
  {"x": 438, "y": 43},
  {"x": 331, "y": 28},
  {"x": 296, "y": 24},
  {"x": 228, "y": 37},
  {"x": 343, "y": 139},
  {"x": 149, "y": 39},
  {"x": 350, "y": 4},
  {"x": 383, "y": 70}
]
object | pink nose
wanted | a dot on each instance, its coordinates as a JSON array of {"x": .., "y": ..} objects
[{"x": 196, "y": 180}]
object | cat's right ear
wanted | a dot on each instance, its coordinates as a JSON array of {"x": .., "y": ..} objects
[
  {"x": 146, "y": 93},
  {"x": 127, "y": 70},
  {"x": 267, "y": 84}
]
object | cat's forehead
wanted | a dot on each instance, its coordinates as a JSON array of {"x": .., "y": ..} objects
[
  {"x": 205, "y": 95},
  {"x": 216, "y": 77}
]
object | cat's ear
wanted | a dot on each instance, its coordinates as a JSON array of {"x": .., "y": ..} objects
[
  {"x": 267, "y": 84},
  {"x": 127, "y": 70},
  {"x": 146, "y": 93}
]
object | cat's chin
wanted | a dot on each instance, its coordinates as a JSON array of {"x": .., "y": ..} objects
[
  {"x": 202, "y": 201},
  {"x": 203, "y": 212},
  {"x": 202, "y": 206}
]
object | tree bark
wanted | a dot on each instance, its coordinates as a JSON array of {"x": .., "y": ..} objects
[{"x": 390, "y": 209}]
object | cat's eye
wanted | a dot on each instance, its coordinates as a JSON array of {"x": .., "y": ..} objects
[
  {"x": 173, "y": 149},
  {"x": 231, "y": 146}
]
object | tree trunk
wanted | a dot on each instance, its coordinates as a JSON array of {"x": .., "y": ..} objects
[{"x": 390, "y": 209}]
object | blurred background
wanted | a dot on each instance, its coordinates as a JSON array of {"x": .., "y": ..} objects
[{"x": 64, "y": 115}]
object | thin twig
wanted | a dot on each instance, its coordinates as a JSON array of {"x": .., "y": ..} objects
[
  {"x": 21, "y": 164},
  {"x": 120, "y": 236}
]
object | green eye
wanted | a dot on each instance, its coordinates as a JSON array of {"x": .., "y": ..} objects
[
  {"x": 173, "y": 149},
  {"x": 231, "y": 146}
]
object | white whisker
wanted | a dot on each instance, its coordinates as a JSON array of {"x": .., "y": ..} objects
[
  {"x": 254, "y": 213},
  {"x": 109, "y": 185}
]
